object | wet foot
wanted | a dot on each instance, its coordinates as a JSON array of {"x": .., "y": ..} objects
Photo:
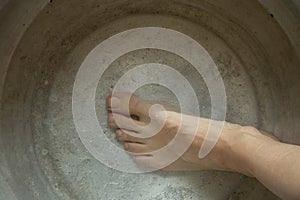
[{"x": 142, "y": 140}]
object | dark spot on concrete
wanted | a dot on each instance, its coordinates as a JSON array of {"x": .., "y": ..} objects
[
  {"x": 23, "y": 57},
  {"x": 272, "y": 15}
]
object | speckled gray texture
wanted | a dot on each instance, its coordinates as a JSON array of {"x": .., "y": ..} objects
[
  {"x": 84, "y": 173},
  {"x": 44, "y": 157}
]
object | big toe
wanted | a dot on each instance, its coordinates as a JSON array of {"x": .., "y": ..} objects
[{"x": 129, "y": 105}]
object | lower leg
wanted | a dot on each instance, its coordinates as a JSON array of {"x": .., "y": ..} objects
[{"x": 239, "y": 149}]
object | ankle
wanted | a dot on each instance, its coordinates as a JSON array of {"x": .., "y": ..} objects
[{"x": 237, "y": 148}]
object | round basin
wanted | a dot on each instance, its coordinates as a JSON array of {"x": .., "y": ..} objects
[{"x": 254, "y": 44}]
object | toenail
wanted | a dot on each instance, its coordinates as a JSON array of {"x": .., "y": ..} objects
[
  {"x": 119, "y": 133},
  {"x": 126, "y": 146},
  {"x": 115, "y": 102},
  {"x": 110, "y": 118}
]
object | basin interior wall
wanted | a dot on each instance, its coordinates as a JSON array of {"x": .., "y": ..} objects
[{"x": 43, "y": 44}]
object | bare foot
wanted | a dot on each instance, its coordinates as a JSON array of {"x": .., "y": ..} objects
[{"x": 220, "y": 158}]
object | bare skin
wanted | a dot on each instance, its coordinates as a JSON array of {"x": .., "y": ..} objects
[{"x": 239, "y": 149}]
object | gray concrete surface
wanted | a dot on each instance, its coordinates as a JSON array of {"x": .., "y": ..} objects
[{"x": 41, "y": 154}]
